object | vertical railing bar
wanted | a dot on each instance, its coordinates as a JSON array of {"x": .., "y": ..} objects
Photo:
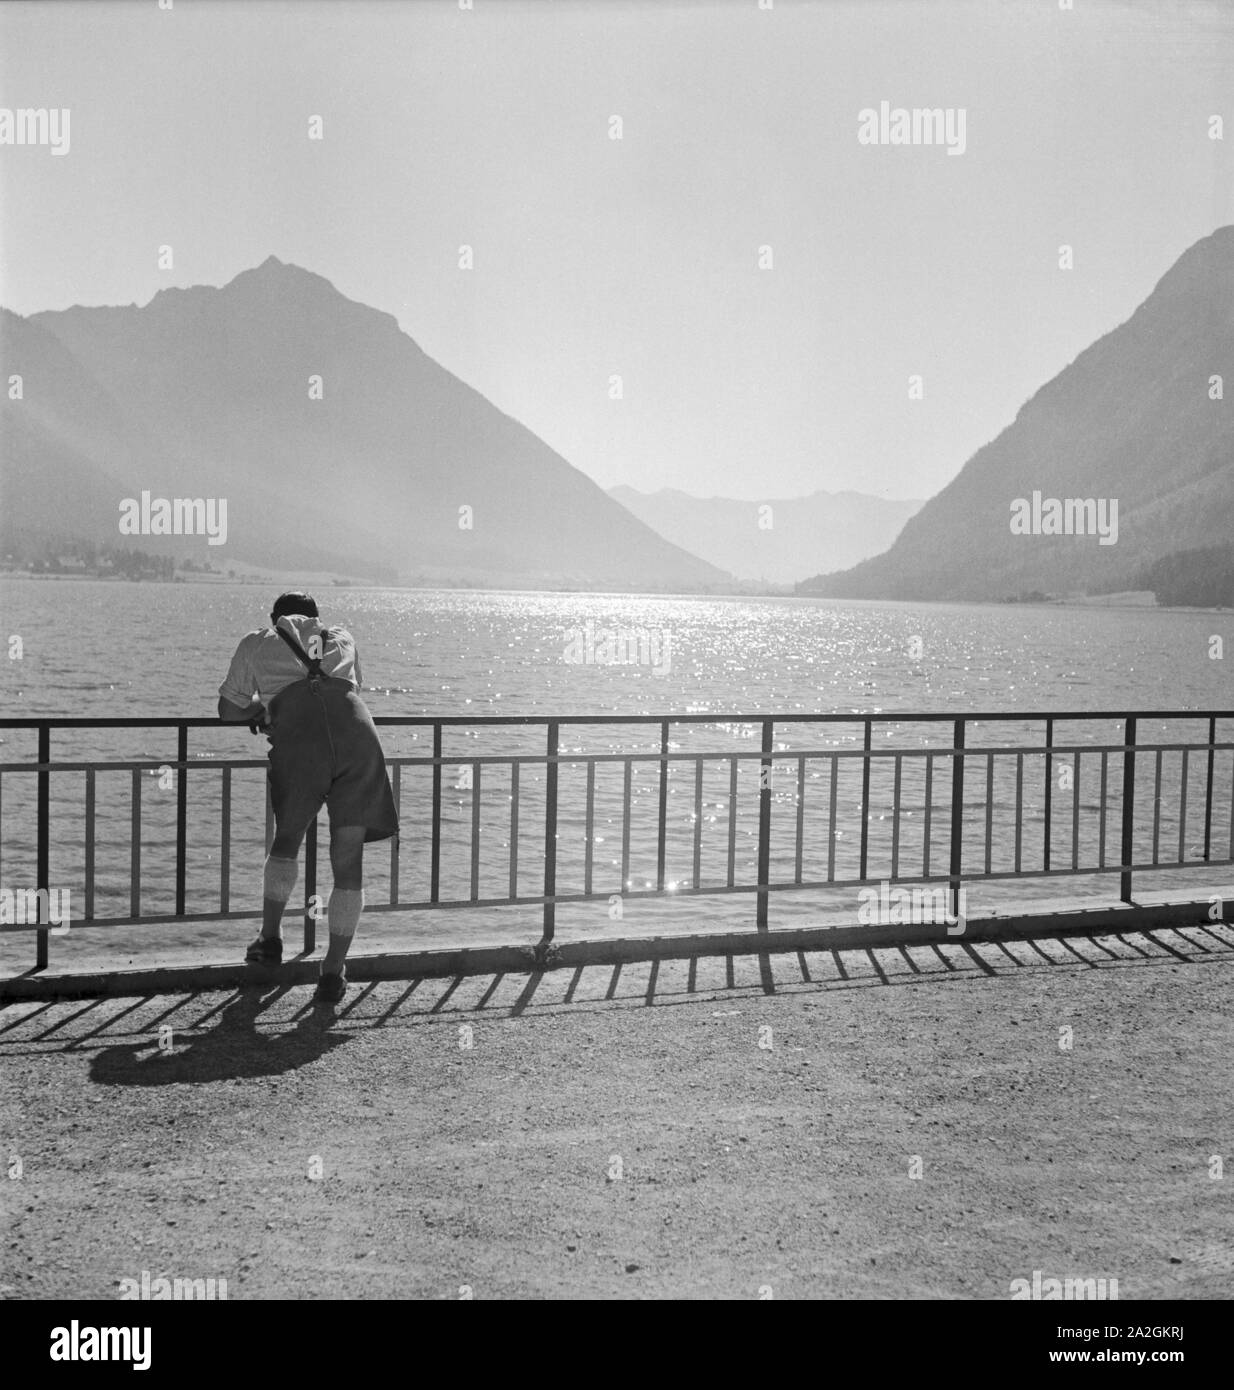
[
  {"x": 310, "y": 886},
  {"x": 1208, "y": 790},
  {"x": 475, "y": 830},
  {"x": 1157, "y": 809},
  {"x": 766, "y": 769},
  {"x": 1231, "y": 853},
  {"x": 396, "y": 787},
  {"x": 1049, "y": 794},
  {"x": 831, "y": 820},
  {"x": 435, "y": 849},
  {"x": 135, "y": 847},
  {"x": 1075, "y": 810},
  {"x": 662, "y": 823},
  {"x": 514, "y": 795},
  {"x": 626, "y": 813},
  {"x": 589, "y": 856},
  {"x": 1182, "y": 813},
  {"x": 957, "y": 815},
  {"x": 865, "y": 798},
  {"x": 929, "y": 810},
  {"x": 1019, "y": 809},
  {"x": 801, "y": 817},
  {"x": 1105, "y": 760},
  {"x": 550, "y": 834},
  {"x": 989, "y": 812},
  {"x": 698, "y": 822},
  {"x": 43, "y": 842},
  {"x": 225, "y": 841},
  {"x": 732, "y": 819},
  {"x": 182, "y": 802},
  {"x": 1127, "y": 852},
  {"x": 895, "y": 818},
  {"x": 90, "y": 796}
]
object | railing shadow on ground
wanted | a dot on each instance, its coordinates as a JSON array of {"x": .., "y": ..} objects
[{"x": 266, "y": 1031}]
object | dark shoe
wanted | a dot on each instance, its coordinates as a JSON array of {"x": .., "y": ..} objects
[
  {"x": 266, "y": 950},
  {"x": 330, "y": 988}
]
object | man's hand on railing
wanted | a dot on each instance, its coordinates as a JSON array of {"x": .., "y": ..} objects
[{"x": 254, "y": 715}]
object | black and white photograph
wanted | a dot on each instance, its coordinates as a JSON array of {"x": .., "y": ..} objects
[{"x": 616, "y": 630}]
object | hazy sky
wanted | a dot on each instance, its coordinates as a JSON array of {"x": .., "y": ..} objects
[{"x": 639, "y": 256}]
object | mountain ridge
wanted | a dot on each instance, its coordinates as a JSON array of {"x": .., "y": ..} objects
[
  {"x": 211, "y": 393},
  {"x": 1128, "y": 418}
]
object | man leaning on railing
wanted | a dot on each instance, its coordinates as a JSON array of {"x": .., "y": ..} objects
[{"x": 298, "y": 682}]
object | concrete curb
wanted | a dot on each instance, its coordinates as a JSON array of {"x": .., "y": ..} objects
[{"x": 528, "y": 959}]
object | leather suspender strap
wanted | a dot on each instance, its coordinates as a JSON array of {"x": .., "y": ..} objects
[{"x": 313, "y": 663}]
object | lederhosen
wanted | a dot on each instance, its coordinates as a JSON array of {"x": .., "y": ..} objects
[{"x": 324, "y": 748}]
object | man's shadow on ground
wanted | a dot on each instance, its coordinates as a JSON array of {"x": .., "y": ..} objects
[{"x": 232, "y": 1049}]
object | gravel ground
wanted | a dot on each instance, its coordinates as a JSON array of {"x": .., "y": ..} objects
[{"x": 645, "y": 1132}]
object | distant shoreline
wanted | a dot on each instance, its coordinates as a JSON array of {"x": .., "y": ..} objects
[{"x": 1138, "y": 599}]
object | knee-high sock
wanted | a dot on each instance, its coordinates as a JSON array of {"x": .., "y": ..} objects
[
  {"x": 343, "y": 912},
  {"x": 278, "y": 879}
]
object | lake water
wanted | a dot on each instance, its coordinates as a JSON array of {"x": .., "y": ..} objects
[
  {"x": 104, "y": 648},
  {"x": 94, "y": 648}
]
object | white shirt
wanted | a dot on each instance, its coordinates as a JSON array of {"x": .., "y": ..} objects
[{"x": 264, "y": 664}]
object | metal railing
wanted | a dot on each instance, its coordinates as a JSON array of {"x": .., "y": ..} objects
[{"x": 900, "y": 775}]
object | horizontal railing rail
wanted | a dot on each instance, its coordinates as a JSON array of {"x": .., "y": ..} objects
[
  {"x": 904, "y": 844},
  {"x": 714, "y": 717}
]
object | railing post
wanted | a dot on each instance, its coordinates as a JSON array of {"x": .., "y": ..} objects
[
  {"x": 764, "y": 822},
  {"x": 1128, "y": 850},
  {"x": 135, "y": 844},
  {"x": 1208, "y": 791},
  {"x": 43, "y": 848},
  {"x": 550, "y": 835},
  {"x": 1049, "y": 793},
  {"x": 182, "y": 757},
  {"x": 663, "y": 820},
  {"x": 957, "y": 816},
  {"x": 865, "y": 799},
  {"x": 435, "y": 851},
  {"x": 310, "y": 886},
  {"x": 225, "y": 841},
  {"x": 396, "y": 786}
]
